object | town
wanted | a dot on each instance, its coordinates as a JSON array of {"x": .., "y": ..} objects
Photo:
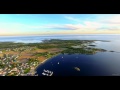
[
  {"x": 10, "y": 66},
  {"x": 20, "y": 59}
]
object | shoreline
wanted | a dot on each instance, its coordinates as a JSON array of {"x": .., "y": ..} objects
[
  {"x": 42, "y": 41},
  {"x": 46, "y": 50},
  {"x": 45, "y": 61}
]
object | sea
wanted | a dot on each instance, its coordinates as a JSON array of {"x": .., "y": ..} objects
[{"x": 99, "y": 64}]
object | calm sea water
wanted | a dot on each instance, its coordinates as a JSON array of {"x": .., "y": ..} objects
[{"x": 100, "y": 64}]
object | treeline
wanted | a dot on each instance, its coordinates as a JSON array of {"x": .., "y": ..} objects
[
  {"x": 71, "y": 50},
  {"x": 58, "y": 41},
  {"x": 53, "y": 43},
  {"x": 11, "y": 45}
]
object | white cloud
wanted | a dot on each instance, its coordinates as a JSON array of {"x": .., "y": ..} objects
[
  {"x": 72, "y": 18},
  {"x": 94, "y": 25},
  {"x": 113, "y": 19},
  {"x": 102, "y": 25},
  {"x": 103, "y": 22}
]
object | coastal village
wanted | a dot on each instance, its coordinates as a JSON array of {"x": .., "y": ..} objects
[
  {"x": 22, "y": 60},
  {"x": 11, "y": 66},
  {"x": 59, "y": 44}
]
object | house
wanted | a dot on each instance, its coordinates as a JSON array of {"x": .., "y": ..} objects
[{"x": 0, "y": 51}]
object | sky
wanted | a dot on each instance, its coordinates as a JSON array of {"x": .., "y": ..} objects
[{"x": 46, "y": 24}]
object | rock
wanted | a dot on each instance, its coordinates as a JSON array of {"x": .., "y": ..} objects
[
  {"x": 92, "y": 45},
  {"x": 111, "y": 51},
  {"x": 76, "y": 68}
]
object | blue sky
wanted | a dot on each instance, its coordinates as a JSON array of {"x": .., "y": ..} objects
[{"x": 36, "y": 24}]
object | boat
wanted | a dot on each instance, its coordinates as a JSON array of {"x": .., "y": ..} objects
[
  {"x": 43, "y": 73},
  {"x": 51, "y": 74},
  {"x": 45, "y": 70}
]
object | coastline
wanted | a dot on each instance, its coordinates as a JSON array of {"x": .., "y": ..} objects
[
  {"x": 42, "y": 52},
  {"x": 46, "y": 60}
]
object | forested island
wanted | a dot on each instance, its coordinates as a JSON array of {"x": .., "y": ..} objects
[{"x": 21, "y": 59}]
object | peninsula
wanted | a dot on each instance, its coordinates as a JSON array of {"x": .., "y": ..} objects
[{"x": 21, "y": 59}]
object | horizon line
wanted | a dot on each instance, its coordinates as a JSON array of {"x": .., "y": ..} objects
[{"x": 61, "y": 34}]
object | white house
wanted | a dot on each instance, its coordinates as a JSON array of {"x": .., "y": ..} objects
[{"x": 0, "y": 51}]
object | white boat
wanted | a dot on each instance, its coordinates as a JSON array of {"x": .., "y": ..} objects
[
  {"x": 51, "y": 74},
  {"x": 47, "y": 74},
  {"x": 43, "y": 73},
  {"x": 58, "y": 62},
  {"x": 45, "y": 70}
]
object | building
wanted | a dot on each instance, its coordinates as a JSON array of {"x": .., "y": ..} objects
[{"x": 0, "y": 51}]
